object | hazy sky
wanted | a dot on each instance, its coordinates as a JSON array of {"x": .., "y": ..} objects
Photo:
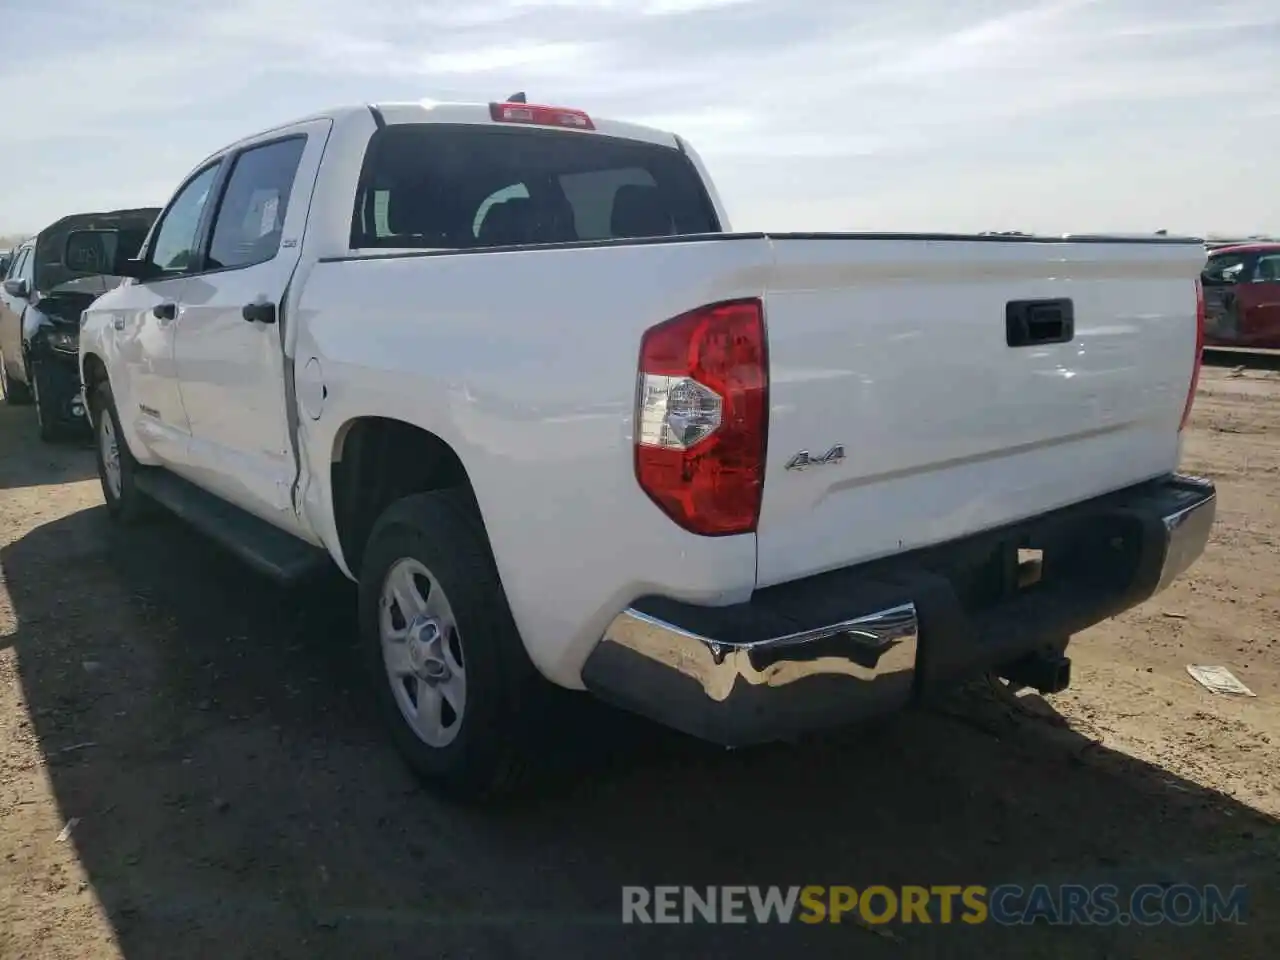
[{"x": 1064, "y": 115}]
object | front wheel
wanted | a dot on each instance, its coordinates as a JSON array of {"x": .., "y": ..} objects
[
  {"x": 117, "y": 470},
  {"x": 448, "y": 668},
  {"x": 46, "y": 407}
]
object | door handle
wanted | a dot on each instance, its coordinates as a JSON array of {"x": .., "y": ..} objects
[
  {"x": 259, "y": 312},
  {"x": 165, "y": 311},
  {"x": 1030, "y": 323}
]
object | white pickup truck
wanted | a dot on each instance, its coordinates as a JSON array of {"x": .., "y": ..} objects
[{"x": 507, "y": 367}]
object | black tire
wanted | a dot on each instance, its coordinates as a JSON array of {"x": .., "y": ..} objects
[
  {"x": 15, "y": 394},
  {"x": 130, "y": 505},
  {"x": 51, "y": 429},
  {"x": 489, "y": 756}
]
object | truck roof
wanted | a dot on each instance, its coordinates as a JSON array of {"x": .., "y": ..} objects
[
  {"x": 1260, "y": 246},
  {"x": 433, "y": 111}
]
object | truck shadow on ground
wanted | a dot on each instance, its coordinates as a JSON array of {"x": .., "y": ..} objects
[
  {"x": 236, "y": 796},
  {"x": 30, "y": 463}
]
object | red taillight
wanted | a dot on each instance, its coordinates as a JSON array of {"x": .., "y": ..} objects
[
  {"x": 702, "y": 416},
  {"x": 542, "y": 116},
  {"x": 1195, "y": 369}
]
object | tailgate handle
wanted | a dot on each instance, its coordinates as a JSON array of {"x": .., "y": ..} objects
[{"x": 1030, "y": 323}]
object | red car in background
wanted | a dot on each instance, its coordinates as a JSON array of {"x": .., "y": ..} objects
[{"x": 1242, "y": 296}]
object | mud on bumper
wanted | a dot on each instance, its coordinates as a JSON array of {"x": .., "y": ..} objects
[{"x": 874, "y": 638}]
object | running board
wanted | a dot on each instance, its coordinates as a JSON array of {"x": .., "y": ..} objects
[{"x": 265, "y": 548}]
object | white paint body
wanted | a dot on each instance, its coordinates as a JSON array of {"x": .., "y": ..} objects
[{"x": 524, "y": 362}]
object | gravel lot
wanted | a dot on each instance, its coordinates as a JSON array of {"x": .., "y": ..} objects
[{"x": 235, "y": 797}]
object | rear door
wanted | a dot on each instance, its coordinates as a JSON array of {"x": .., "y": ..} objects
[{"x": 229, "y": 350}]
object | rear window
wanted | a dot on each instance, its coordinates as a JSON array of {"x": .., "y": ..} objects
[{"x": 462, "y": 186}]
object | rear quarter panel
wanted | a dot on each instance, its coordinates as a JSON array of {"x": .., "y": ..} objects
[{"x": 524, "y": 361}]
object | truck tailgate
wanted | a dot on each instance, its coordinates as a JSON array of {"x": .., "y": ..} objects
[{"x": 899, "y": 351}]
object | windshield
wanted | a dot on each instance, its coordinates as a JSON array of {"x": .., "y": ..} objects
[{"x": 468, "y": 186}]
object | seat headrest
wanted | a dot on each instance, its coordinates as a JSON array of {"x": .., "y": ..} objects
[
  {"x": 417, "y": 211},
  {"x": 639, "y": 211},
  {"x": 507, "y": 223},
  {"x": 553, "y": 220}
]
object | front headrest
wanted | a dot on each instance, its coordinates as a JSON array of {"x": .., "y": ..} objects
[
  {"x": 553, "y": 220},
  {"x": 507, "y": 223},
  {"x": 411, "y": 211},
  {"x": 639, "y": 211}
]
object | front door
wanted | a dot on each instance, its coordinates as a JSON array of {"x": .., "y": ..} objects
[
  {"x": 231, "y": 359},
  {"x": 145, "y": 317}
]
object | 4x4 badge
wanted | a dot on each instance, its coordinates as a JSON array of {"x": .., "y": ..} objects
[{"x": 803, "y": 459}]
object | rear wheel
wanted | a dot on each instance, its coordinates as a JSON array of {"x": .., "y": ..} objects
[
  {"x": 448, "y": 668},
  {"x": 15, "y": 394},
  {"x": 117, "y": 470}
]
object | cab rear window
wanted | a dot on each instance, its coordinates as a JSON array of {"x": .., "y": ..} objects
[{"x": 455, "y": 186}]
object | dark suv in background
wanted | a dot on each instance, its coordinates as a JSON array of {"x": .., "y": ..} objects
[{"x": 40, "y": 307}]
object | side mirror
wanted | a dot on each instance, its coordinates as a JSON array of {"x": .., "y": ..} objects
[
  {"x": 17, "y": 287},
  {"x": 101, "y": 252}
]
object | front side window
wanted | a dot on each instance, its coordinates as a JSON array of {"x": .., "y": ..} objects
[
  {"x": 173, "y": 251},
  {"x": 15, "y": 268},
  {"x": 1268, "y": 269},
  {"x": 251, "y": 216},
  {"x": 27, "y": 268}
]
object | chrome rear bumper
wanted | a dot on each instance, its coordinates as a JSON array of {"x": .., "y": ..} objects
[
  {"x": 876, "y": 645},
  {"x": 1187, "y": 530},
  {"x": 736, "y": 675}
]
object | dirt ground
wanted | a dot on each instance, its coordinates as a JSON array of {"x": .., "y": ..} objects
[{"x": 232, "y": 795}]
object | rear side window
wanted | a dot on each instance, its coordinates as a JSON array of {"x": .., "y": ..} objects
[
  {"x": 251, "y": 215},
  {"x": 467, "y": 186}
]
